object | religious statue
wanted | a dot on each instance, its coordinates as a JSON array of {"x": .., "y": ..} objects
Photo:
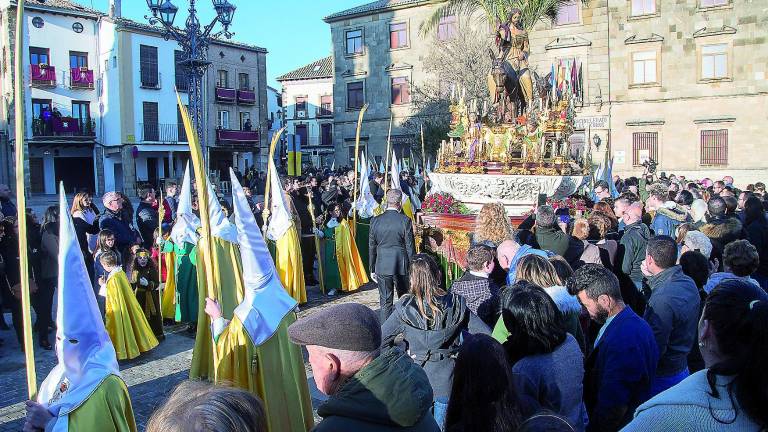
[
  {"x": 512, "y": 45},
  {"x": 532, "y": 141}
]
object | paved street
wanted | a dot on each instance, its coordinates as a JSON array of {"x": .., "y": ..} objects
[{"x": 150, "y": 378}]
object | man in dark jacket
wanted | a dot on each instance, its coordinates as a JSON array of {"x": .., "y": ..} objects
[
  {"x": 672, "y": 312},
  {"x": 111, "y": 220},
  {"x": 551, "y": 238},
  {"x": 376, "y": 190},
  {"x": 300, "y": 198},
  {"x": 390, "y": 248},
  {"x": 480, "y": 292},
  {"x": 721, "y": 229},
  {"x": 147, "y": 216},
  {"x": 369, "y": 389},
  {"x": 7, "y": 206},
  {"x": 622, "y": 365},
  {"x": 633, "y": 243}
]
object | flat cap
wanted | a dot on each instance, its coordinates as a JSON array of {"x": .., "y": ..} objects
[{"x": 348, "y": 326}]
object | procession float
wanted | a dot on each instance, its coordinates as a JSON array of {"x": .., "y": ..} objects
[{"x": 509, "y": 149}]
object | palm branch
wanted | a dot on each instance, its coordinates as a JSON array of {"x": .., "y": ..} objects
[{"x": 532, "y": 11}]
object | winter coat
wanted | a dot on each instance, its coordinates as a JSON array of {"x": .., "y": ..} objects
[
  {"x": 49, "y": 253},
  {"x": 691, "y": 406},
  {"x": 389, "y": 394},
  {"x": 552, "y": 239},
  {"x": 673, "y": 314},
  {"x": 757, "y": 234},
  {"x": 147, "y": 220},
  {"x": 723, "y": 230},
  {"x": 716, "y": 278},
  {"x": 112, "y": 221},
  {"x": 553, "y": 381},
  {"x": 634, "y": 242},
  {"x": 591, "y": 254},
  {"x": 481, "y": 295},
  {"x": 433, "y": 344},
  {"x": 668, "y": 218}
]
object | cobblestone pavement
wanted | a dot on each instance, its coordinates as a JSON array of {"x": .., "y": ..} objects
[{"x": 151, "y": 377}]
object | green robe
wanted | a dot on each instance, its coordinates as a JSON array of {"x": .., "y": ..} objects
[
  {"x": 331, "y": 276},
  {"x": 186, "y": 282},
  {"x": 107, "y": 409},
  {"x": 362, "y": 230}
]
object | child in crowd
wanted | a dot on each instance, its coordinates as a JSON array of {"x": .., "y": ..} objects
[
  {"x": 125, "y": 322},
  {"x": 144, "y": 278}
]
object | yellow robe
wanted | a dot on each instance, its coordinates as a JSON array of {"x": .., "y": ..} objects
[
  {"x": 107, "y": 409},
  {"x": 351, "y": 269},
  {"x": 289, "y": 265},
  {"x": 125, "y": 321},
  {"x": 274, "y": 371},
  {"x": 228, "y": 283},
  {"x": 168, "y": 306}
]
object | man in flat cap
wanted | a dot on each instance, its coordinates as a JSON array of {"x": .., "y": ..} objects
[{"x": 369, "y": 389}]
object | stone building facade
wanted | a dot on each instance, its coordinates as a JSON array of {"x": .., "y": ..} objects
[{"x": 682, "y": 82}]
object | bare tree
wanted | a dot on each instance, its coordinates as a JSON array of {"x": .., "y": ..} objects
[{"x": 457, "y": 65}]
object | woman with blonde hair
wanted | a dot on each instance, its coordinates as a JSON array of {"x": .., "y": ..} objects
[
  {"x": 492, "y": 225},
  {"x": 539, "y": 271},
  {"x": 431, "y": 321},
  {"x": 591, "y": 252}
]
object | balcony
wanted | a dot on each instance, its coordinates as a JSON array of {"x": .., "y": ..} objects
[
  {"x": 237, "y": 139},
  {"x": 167, "y": 133},
  {"x": 182, "y": 84},
  {"x": 81, "y": 78},
  {"x": 43, "y": 75},
  {"x": 324, "y": 111},
  {"x": 57, "y": 127},
  {"x": 246, "y": 97},
  {"x": 151, "y": 79},
  {"x": 226, "y": 95}
]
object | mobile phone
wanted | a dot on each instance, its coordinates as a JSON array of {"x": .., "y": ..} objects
[{"x": 542, "y": 199}]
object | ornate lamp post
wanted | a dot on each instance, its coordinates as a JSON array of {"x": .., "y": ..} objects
[{"x": 194, "y": 40}]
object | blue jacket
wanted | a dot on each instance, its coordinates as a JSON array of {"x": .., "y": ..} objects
[
  {"x": 523, "y": 251},
  {"x": 124, "y": 236},
  {"x": 667, "y": 220},
  {"x": 619, "y": 372}
]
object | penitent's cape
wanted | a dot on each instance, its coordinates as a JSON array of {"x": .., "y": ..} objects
[{"x": 84, "y": 390}]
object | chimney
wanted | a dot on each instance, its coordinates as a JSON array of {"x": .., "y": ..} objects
[{"x": 115, "y": 9}]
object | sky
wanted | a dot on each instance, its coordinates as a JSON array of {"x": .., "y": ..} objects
[{"x": 293, "y": 31}]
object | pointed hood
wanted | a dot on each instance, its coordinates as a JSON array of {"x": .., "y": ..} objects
[
  {"x": 84, "y": 351},
  {"x": 185, "y": 228},
  {"x": 280, "y": 217},
  {"x": 429, "y": 167},
  {"x": 221, "y": 227},
  {"x": 266, "y": 302},
  {"x": 381, "y": 166},
  {"x": 365, "y": 202}
]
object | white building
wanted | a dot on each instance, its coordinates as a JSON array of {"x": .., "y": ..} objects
[
  {"x": 275, "y": 120},
  {"x": 61, "y": 81},
  {"x": 308, "y": 106}
]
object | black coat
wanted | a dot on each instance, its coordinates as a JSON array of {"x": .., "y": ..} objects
[
  {"x": 376, "y": 190},
  {"x": 147, "y": 219},
  {"x": 757, "y": 234},
  {"x": 390, "y": 243}
]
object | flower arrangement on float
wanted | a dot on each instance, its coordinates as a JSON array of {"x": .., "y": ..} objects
[{"x": 444, "y": 203}]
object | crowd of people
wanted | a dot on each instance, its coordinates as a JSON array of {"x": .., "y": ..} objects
[{"x": 647, "y": 312}]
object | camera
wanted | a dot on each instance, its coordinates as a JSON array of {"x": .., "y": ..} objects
[{"x": 650, "y": 165}]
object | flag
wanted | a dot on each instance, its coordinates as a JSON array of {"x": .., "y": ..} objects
[
  {"x": 365, "y": 204},
  {"x": 85, "y": 354}
]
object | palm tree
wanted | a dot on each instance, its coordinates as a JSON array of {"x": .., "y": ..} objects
[{"x": 532, "y": 11}]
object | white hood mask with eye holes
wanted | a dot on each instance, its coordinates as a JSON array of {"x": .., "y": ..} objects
[
  {"x": 185, "y": 228},
  {"x": 84, "y": 351},
  {"x": 266, "y": 302}
]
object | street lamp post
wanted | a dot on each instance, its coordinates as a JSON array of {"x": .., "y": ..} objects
[{"x": 194, "y": 40}]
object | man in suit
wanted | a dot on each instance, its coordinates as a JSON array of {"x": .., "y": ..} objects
[{"x": 391, "y": 247}]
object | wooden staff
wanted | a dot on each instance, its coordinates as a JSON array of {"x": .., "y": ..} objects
[
  {"x": 21, "y": 204},
  {"x": 389, "y": 152},
  {"x": 357, "y": 153},
  {"x": 423, "y": 156},
  {"x": 161, "y": 214},
  {"x": 265, "y": 213},
  {"x": 317, "y": 242}
]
